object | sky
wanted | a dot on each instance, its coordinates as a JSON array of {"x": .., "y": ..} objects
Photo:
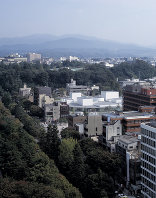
[{"x": 127, "y": 21}]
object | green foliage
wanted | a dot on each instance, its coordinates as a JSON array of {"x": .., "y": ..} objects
[
  {"x": 78, "y": 166},
  {"x": 29, "y": 123},
  {"x": 33, "y": 173},
  {"x": 36, "y": 111},
  {"x": 65, "y": 158},
  {"x": 13, "y": 76},
  {"x": 70, "y": 133},
  {"x": 50, "y": 142},
  {"x": 98, "y": 184},
  {"x": 134, "y": 69}
]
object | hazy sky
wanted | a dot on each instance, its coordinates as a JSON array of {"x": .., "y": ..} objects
[{"x": 131, "y": 21}]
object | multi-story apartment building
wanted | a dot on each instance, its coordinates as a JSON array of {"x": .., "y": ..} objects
[
  {"x": 148, "y": 159},
  {"x": 138, "y": 95}
]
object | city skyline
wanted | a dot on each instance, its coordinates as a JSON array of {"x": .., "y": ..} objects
[{"x": 123, "y": 21}]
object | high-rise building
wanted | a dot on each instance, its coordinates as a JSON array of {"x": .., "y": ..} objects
[
  {"x": 148, "y": 160},
  {"x": 138, "y": 95}
]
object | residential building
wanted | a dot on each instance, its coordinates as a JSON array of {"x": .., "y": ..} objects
[
  {"x": 137, "y": 95},
  {"x": 148, "y": 160}
]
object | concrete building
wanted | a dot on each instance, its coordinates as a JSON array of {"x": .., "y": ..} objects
[
  {"x": 100, "y": 103},
  {"x": 72, "y": 87},
  {"x": 128, "y": 147},
  {"x": 109, "y": 95},
  {"x": 42, "y": 96},
  {"x": 137, "y": 95},
  {"x": 52, "y": 112},
  {"x": 64, "y": 110},
  {"x": 31, "y": 57},
  {"x": 131, "y": 82},
  {"x": 148, "y": 160},
  {"x": 93, "y": 125},
  {"x": 111, "y": 133},
  {"x": 75, "y": 119},
  {"x": 130, "y": 120},
  {"x": 27, "y": 93}
]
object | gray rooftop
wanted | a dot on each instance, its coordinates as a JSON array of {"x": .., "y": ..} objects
[
  {"x": 128, "y": 139},
  {"x": 44, "y": 90}
]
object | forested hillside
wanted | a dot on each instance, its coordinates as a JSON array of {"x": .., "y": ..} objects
[{"x": 26, "y": 171}]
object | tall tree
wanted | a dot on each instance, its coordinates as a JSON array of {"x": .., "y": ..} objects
[
  {"x": 78, "y": 166},
  {"x": 52, "y": 142},
  {"x": 66, "y": 155}
]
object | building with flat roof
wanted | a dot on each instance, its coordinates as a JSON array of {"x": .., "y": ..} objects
[
  {"x": 108, "y": 99},
  {"x": 128, "y": 147},
  {"x": 72, "y": 87},
  {"x": 93, "y": 125},
  {"x": 148, "y": 160},
  {"x": 131, "y": 120},
  {"x": 138, "y": 95},
  {"x": 52, "y": 112}
]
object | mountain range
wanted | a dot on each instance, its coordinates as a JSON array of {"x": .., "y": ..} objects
[{"x": 76, "y": 45}]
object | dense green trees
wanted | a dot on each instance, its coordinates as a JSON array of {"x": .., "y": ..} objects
[
  {"x": 89, "y": 167},
  {"x": 13, "y": 76},
  {"x": 70, "y": 133},
  {"x": 50, "y": 142},
  {"x": 33, "y": 173},
  {"x": 134, "y": 69}
]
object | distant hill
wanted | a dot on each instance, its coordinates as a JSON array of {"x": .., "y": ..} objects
[{"x": 77, "y": 45}]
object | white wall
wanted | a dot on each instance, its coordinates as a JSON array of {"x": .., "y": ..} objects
[
  {"x": 108, "y": 95},
  {"x": 85, "y": 101},
  {"x": 74, "y": 96}
]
